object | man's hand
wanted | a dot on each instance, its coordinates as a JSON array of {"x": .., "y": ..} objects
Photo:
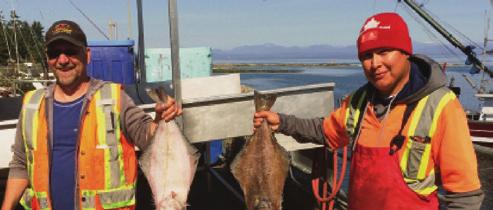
[
  {"x": 272, "y": 118},
  {"x": 13, "y": 192},
  {"x": 167, "y": 111}
]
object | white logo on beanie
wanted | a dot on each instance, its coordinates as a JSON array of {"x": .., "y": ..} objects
[{"x": 374, "y": 24}]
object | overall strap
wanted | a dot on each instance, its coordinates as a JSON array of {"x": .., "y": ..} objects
[{"x": 398, "y": 140}]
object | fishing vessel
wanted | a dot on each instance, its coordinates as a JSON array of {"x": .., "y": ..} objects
[{"x": 481, "y": 122}]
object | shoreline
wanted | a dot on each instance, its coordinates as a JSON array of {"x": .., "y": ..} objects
[
  {"x": 253, "y": 71},
  {"x": 257, "y": 67},
  {"x": 357, "y": 64},
  {"x": 246, "y": 68},
  {"x": 232, "y": 65}
]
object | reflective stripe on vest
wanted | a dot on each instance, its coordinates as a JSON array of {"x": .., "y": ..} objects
[
  {"x": 354, "y": 112},
  {"x": 40, "y": 197},
  {"x": 27, "y": 198},
  {"x": 110, "y": 199},
  {"x": 416, "y": 155},
  {"x": 88, "y": 199},
  {"x": 108, "y": 121},
  {"x": 30, "y": 121}
]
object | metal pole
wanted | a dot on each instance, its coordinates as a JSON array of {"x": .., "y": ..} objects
[
  {"x": 4, "y": 26},
  {"x": 486, "y": 29},
  {"x": 141, "y": 56},
  {"x": 238, "y": 195},
  {"x": 13, "y": 15},
  {"x": 175, "y": 50},
  {"x": 129, "y": 20},
  {"x": 111, "y": 29},
  {"x": 466, "y": 50}
]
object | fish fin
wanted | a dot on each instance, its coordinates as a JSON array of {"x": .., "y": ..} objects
[
  {"x": 162, "y": 94},
  {"x": 158, "y": 95},
  {"x": 152, "y": 93},
  {"x": 236, "y": 161},
  {"x": 264, "y": 101}
]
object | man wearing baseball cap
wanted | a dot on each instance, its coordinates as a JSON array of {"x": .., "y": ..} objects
[
  {"x": 407, "y": 131},
  {"x": 74, "y": 146}
]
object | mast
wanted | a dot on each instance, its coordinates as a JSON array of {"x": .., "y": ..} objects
[
  {"x": 129, "y": 16},
  {"x": 4, "y": 25},
  {"x": 112, "y": 30},
  {"x": 486, "y": 30},
  {"x": 467, "y": 50},
  {"x": 175, "y": 50},
  {"x": 141, "y": 76},
  {"x": 13, "y": 16}
]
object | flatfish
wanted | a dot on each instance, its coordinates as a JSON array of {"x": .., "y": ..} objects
[
  {"x": 169, "y": 163},
  {"x": 262, "y": 165}
]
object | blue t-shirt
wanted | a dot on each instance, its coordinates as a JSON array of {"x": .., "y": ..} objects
[{"x": 66, "y": 120}]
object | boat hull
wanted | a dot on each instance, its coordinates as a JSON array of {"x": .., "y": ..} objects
[{"x": 481, "y": 132}]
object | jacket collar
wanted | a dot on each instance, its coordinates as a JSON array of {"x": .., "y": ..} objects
[{"x": 94, "y": 85}]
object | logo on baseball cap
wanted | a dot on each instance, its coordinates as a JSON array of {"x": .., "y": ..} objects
[{"x": 68, "y": 31}]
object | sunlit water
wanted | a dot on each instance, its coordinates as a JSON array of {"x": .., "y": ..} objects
[{"x": 348, "y": 79}]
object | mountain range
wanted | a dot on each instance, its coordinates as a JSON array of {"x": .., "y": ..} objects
[{"x": 275, "y": 51}]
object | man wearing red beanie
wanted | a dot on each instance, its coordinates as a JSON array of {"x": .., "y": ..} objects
[{"x": 407, "y": 130}]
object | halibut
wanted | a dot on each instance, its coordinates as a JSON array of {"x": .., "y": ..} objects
[
  {"x": 169, "y": 163},
  {"x": 261, "y": 167}
]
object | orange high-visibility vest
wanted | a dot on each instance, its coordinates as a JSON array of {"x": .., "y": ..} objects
[
  {"x": 416, "y": 163},
  {"x": 106, "y": 162}
]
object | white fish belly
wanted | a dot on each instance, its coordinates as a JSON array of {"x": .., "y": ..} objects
[{"x": 169, "y": 165}]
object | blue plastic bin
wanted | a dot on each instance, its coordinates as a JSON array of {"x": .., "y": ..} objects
[
  {"x": 112, "y": 61},
  {"x": 216, "y": 149}
]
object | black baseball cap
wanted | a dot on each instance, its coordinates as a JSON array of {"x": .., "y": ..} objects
[{"x": 68, "y": 31}]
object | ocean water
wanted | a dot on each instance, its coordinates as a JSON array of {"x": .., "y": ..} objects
[{"x": 348, "y": 79}]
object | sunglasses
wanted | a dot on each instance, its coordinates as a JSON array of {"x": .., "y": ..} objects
[{"x": 55, "y": 53}]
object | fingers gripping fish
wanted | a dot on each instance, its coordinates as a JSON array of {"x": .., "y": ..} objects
[
  {"x": 261, "y": 167},
  {"x": 169, "y": 163}
]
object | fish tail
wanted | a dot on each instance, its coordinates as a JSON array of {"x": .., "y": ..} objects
[{"x": 264, "y": 101}]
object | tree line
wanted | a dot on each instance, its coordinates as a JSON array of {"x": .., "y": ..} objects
[{"x": 28, "y": 37}]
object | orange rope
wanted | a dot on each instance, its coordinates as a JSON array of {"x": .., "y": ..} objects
[{"x": 336, "y": 182}]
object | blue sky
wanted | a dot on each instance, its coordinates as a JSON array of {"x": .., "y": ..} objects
[{"x": 225, "y": 24}]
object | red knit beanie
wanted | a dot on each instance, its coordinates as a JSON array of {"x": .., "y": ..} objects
[{"x": 384, "y": 30}]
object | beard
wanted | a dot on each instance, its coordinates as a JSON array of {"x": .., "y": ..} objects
[{"x": 69, "y": 77}]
